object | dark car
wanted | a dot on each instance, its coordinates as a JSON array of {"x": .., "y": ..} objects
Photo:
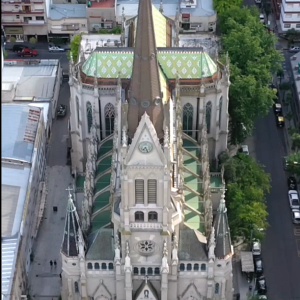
[
  {"x": 62, "y": 110},
  {"x": 279, "y": 121},
  {"x": 277, "y": 109},
  {"x": 17, "y": 48},
  {"x": 258, "y": 265},
  {"x": 292, "y": 183},
  {"x": 261, "y": 285}
]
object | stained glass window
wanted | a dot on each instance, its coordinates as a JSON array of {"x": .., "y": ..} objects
[
  {"x": 187, "y": 123},
  {"x": 109, "y": 113},
  {"x": 89, "y": 115},
  {"x": 208, "y": 116}
]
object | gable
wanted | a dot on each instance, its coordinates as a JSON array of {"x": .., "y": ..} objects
[
  {"x": 145, "y": 149},
  {"x": 101, "y": 292},
  {"x": 191, "y": 293},
  {"x": 146, "y": 291}
]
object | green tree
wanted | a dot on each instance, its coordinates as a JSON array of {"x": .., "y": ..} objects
[
  {"x": 293, "y": 163},
  {"x": 222, "y": 5},
  {"x": 253, "y": 60},
  {"x": 292, "y": 35},
  {"x": 296, "y": 140},
  {"x": 75, "y": 45},
  {"x": 12, "y": 39},
  {"x": 32, "y": 40}
]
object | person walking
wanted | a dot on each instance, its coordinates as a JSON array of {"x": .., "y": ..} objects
[
  {"x": 54, "y": 263},
  {"x": 51, "y": 263}
]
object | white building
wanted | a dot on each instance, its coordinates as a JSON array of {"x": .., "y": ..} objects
[
  {"x": 23, "y": 192},
  {"x": 33, "y": 81},
  {"x": 295, "y": 103},
  {"x": 290, "y": 15},
  {"x": 147, "y": 229}
]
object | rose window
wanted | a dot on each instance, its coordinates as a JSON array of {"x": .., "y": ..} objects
[{"x": 146, "y": 247}]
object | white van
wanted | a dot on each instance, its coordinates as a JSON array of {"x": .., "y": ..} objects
[{"x": 262, "y": 18}]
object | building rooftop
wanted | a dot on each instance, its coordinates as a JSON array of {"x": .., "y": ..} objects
[
  {"x": 19, "y": 126},
  {"x": 65, "y": 11},
  {"x": 103, "y": 4},
  {"x": 30, "y": 81}
]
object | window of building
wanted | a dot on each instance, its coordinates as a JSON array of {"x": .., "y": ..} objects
[
  {"x": 77, "y": 110},
  {"x": 217, "y": 288},
  {"x": 17, "y": 6},
  {"x": 76, "y": 288},
  {"x": 220, "y": 110},
  {"x": 39, "y": 18},
  {"x": 152, "y": 190},
  {"x": 182, "y": 267},
  {"x": 290, "y": 5},
  {"x": 110, "y": 266},
  {"x": 288, "y": 16},
  {"x": 219, "y": 265},
  {"x": 189, "y": 267},
  {"x": 109, "y": 113},
  {"x": 152, "y": 216},
  {"x": 156, "y": 271},
  {"x": 150, "y": 271},
  {"x": 103, "y": 266},
  {"x": 196, "y": 267},
  {"x": 97, "y": 266},
  {"x": 187, "y": 122},
  {"x": 298, "y": 25},
  {"x": 89, "y": 115},
  {"x": 135, "y": 271},
  {"x": 82, "y": 25},
  {"x": 208, "y": 115},
  {"x": 17, "y": 16},
  {"x": 203, "y": 267},
  {"x": 143, "y": 271},
  {"x": 287, "y": 25},
  {"x": 139, "y": 216},
  {"x": 139, "y": 191}
]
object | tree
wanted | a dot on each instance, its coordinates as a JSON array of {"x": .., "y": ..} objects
[
  {"x": 5, "y": 54},
  {"x": 293, "y": 163},
  {"x": 292, "y": 35},
  {"x": 253, "y": 60},
  {"x": 12, "y": 39},
  {"x": 296, "y": 140},
  {"x": 247, "y": 185},
  {"x": 222, "y": 5},
  {"x": 32, "y": 40},
  {"x": 75, "y": 45}
]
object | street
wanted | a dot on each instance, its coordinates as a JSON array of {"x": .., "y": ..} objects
[{"x": 44, "y": 280}]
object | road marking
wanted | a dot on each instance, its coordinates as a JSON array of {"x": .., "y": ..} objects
[
  {"x": 298, "y": 247},
  {"x": 297, "y": 230}
]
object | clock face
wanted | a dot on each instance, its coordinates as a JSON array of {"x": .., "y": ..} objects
[{"x": 145, "y": 147}]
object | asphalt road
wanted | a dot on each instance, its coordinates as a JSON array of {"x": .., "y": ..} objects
[{"x": 45, "y": 54}]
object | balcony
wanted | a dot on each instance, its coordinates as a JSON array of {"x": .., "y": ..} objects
[
  {"x": 19, "y": 2},
  {"x": 20, "y": 22},
  {"x": 24, "y": 12}
]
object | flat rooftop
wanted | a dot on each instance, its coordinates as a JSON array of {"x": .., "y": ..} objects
[
  {"x": 103, "y": 4},
  {"x": 65, "y": 11},
  {"x": 30, "y": 80}
]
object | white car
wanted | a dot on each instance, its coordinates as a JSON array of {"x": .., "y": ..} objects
[
  {"x": 296, "y": 216},
  {"x": 294, "y": 199},
  {"x": 294, "y": 49},
  {"x": 53, "y": 48},
  {"x": 262, "y": 18},
  {"x": 256, "y": 247},
  {"x": 244, "y": 149}
]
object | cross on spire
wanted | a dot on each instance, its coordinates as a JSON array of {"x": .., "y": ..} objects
[{"x": 69, "y": 190}]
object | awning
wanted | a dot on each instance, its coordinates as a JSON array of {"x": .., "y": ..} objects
[
  {"x": 13, "y": 30},
  {"x": 247, "y": 261}
]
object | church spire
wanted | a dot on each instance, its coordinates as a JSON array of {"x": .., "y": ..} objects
[
  {"x": 222, "y": 231},
  {"x": 145, "y": 82},
  {"x": 70, "y": 244}
]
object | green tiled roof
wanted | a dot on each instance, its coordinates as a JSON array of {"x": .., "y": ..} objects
[
  {"x": 105, "y": 147},
  {"x": 192, "y": 182},
  {"x": 103, "y": 165},
  {"x": 101, "y": 220},
  {"x": 216, "y": 181},
  {"x": 102, "y": 182},
  {"x": 101, "y": 201},
  {"x": 188, "y": 64},
  {"x": 109, "y": 64},
  {"x": 160, "y": 27},
  {"x": 80, "y": 182}
]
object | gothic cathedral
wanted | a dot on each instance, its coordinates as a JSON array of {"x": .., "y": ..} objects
[{"x": 146, "y": 121}]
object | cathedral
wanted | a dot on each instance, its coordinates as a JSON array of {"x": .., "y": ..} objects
[{"x": 146, "y": 121}]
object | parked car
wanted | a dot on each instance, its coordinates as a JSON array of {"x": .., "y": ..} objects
[
  {"x": 294, "y": 49},
  {"x": 292, "y": 183},
  {"x": 244, "y": 149},
  {"x": 294, "y": 199},
  {"x": 17, "y": 48},
  {"x": 27, "y": 52},
  {"x": 277, "y": 109},
  {"x": 296, "y": 216},
  {"x": 261, "y": 285},
  {"x": 258, "y": 265},
  {"x": 256, "y": 247},
  {"x": 55, "y": 48},
  {"x": 262, "y": 18},
  {"x": 285, "y": 163},
  {"x": 257, "y": 1},
  {"x": 262, "y": 297},
  {"x": 279, "y": 121},
  {"x": 62, "y": 110}
]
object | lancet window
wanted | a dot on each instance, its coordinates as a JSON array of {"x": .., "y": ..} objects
[
  {"x": 187, "y": 123},
  {"x": 109, "y": 113}
]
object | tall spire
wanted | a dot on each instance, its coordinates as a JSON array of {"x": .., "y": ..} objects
[
  {"x": 161, "y": 7},
  {"x": 70, "y": 244},
  {"x": 145, "y": 82},
  {"x": 222, "y": 231}
]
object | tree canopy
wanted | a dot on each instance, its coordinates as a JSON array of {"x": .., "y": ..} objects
[
  {"x": 247, "y": 185},
  {"x": 222, "y": 5},
  {"x": 253, "y": 60},
  {"x": 75, "y": 45},
  {"x": 293, "y": 163}
]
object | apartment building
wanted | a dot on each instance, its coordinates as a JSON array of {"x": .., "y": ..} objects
[
  {"x": 23, "y": 19},
  {"x": 290, "y": 15}
]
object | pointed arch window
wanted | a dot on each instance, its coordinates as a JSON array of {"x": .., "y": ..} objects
[
  {"x": 77, "y": 110},
  {"x": 109, "y": 113},
  {"x": 89, "y": 115},
  {"x": 187, "y": 122},
  {"x": 139, "y": 191},
  {"x": 220, "y": 110},
  {"x": 152, "y": 190},
  {"x": 208, "y": 115},
  {"x": 217, "y": 288}
]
